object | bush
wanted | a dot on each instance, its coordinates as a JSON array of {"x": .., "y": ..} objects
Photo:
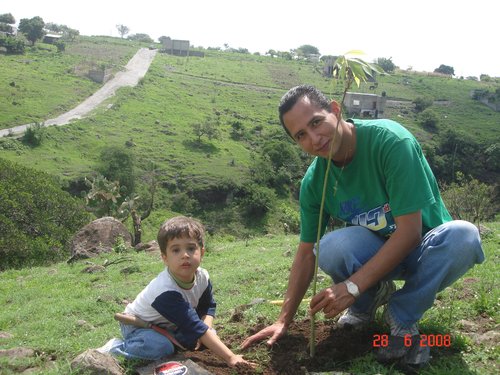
[
  {"x": 15, "y": 45},
  {"x": 257, "y": 200},
  {"x": 422, "y": 103},
  {"x": 33, "y": 135},
  {"x": 37, "y": 218},
  {"x": 469, "y": 199},
  {"x": 429, "y": 120},
  {"x": 117, "y": 164}
]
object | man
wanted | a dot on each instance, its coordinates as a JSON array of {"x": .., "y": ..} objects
[{"x": 381, "y": 185}]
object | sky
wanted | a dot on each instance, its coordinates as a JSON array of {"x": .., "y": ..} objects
[{"x": 419, "y": 35}]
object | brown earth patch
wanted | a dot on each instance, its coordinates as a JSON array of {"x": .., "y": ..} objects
[{"x": 335, "y": 349}]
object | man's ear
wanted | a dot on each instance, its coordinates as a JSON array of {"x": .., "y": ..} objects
[{"x": 335, "y": 108}]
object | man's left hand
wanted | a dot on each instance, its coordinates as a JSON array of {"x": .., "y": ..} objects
[{"x": 332, "y": 301}]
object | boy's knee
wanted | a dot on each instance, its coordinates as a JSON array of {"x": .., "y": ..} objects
[{"x": 160, "y": 350}]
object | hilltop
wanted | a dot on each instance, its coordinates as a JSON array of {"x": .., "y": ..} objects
[{"x": 237, "y": 94}]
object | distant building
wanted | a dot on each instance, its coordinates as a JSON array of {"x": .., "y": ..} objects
[
  {"x": 51, "y": 38},
  {"x": 365, "y": 105},
  {"x": 176, "y": 47},
  {"x": 179, "y": 48}
]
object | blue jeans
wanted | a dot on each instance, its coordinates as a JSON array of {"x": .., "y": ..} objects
[
  {"x": 444, "y": 254},
  {"x": 143, "y": 343}
]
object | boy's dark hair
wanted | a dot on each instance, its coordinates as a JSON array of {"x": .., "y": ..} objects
[
  {"x": 295, "y": 93},
  {"x": 180, "y": 226}
]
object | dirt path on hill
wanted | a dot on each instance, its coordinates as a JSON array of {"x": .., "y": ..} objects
[{"x": 135, "y": 69}]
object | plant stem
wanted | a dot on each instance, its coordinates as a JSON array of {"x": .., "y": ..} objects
[{"x": 312, "y": 347}]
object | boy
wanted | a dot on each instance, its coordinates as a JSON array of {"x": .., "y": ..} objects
[{"x": 179, "y": 300}]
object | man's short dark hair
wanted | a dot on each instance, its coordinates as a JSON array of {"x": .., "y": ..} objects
[{"x": 295, "y": 93}]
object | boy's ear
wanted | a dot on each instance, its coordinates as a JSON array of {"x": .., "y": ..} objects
[
  {"x": 164, "y": 258},
  {"x": 202, "y": 251}
]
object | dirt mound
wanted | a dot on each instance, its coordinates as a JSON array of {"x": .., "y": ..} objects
[{"x": 335, "y": 347}]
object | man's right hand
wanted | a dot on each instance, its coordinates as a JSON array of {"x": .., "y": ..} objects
[{"x": 275, "y": 332}]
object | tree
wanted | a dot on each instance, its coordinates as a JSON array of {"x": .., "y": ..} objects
[
  {"x": 117, "y": 164},
  {"x": 122, "y": 30},
  {"x": 307, "y": 49},
  {"x": 386, "y": 64},
  {"x": 67, "y": 32},
  {"x": 208, "y": 129},
  {"x": 7, "y": 18},
  {"x": 37, "y": 218},
  {"x": 445, "y": 69},
  {"x": 141, "y": 38},
  {"x": 163, "y": 39},
  {"x": 32, "y": 28}
]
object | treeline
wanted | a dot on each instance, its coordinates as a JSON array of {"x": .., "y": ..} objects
[{"x": 37, "y": 218}]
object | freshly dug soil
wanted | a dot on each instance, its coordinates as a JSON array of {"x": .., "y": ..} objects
[{"x": 334, "y": 349}]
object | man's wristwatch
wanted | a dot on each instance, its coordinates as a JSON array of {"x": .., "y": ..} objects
[{"x": 352, "y": 288}]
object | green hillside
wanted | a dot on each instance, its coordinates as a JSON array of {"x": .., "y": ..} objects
[{"x": 230, "y": 90}]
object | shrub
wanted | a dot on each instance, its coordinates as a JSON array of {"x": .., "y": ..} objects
[
  {"x": 257, "y": 200},
  {"x": 37, "y": 218},
  {"x": 12, "y": 44},
  {"x": 33, "y": 135},
  {"x": 117, "y": 164},
  {"x": 429, "y": 120},
  {"x": 422, "y": 103},
  {"x": 469, "y": 199}
]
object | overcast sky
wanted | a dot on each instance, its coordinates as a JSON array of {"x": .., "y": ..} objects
[{"x": 418, "y": 34}]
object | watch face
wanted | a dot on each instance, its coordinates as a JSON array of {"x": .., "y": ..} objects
[{"x": 352, "y": 288}]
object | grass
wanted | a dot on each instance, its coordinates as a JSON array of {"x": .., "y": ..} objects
[
  {"x": 60, "y": 311},
  {"x": 43, "y": 83}
]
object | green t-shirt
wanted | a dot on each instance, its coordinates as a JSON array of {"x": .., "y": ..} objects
[{"x": 389, "y": 176}]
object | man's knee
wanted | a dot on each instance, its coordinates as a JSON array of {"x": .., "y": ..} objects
[
  {"x": 465, "y": 242},
  {"x": 343, "y": 251}
]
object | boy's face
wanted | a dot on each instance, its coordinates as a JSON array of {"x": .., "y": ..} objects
[{"x": 183, "y": 257}]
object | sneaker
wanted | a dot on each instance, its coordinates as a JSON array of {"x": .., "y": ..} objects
[
  {"x": 110, "y": 345},
  {"x": 398, "y": 329},
  {"x": 405, "y": 351},
  {"x": 403, "y": 345},
  {"x": 359, "y": 320}
]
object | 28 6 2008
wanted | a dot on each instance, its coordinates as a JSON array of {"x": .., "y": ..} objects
[{"x": 430, "y": 340}]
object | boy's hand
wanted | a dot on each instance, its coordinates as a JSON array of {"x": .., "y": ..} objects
[{"x": 238, "y": 359}]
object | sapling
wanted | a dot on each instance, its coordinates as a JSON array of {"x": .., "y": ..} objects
[{"x": 349, "y": 69}]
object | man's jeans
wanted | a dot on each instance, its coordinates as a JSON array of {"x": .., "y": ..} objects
[
  {"x": 143, "y": 343},
  {"x": 444, "y": 255}
]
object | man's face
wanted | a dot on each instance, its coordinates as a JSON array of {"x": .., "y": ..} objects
[{"x": 312, "y": 127}]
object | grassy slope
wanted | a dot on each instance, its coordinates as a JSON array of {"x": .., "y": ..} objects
[
  {"x": 40, "y": 313},
  {"x": 44, "y": 83}
]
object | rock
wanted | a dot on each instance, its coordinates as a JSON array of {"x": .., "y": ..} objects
[
  {"x": 98, "y": 237},
  {"x": 149, "y": 246},
  {"x": 17, "y": 353},
  {"x": 5, "y": 335},
  {"x": 92, "y": 362}
]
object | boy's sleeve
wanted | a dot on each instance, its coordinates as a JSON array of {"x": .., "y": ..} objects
[
  {"x": 207, "y": 304},
  {"x": 173, "y": 307}
]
